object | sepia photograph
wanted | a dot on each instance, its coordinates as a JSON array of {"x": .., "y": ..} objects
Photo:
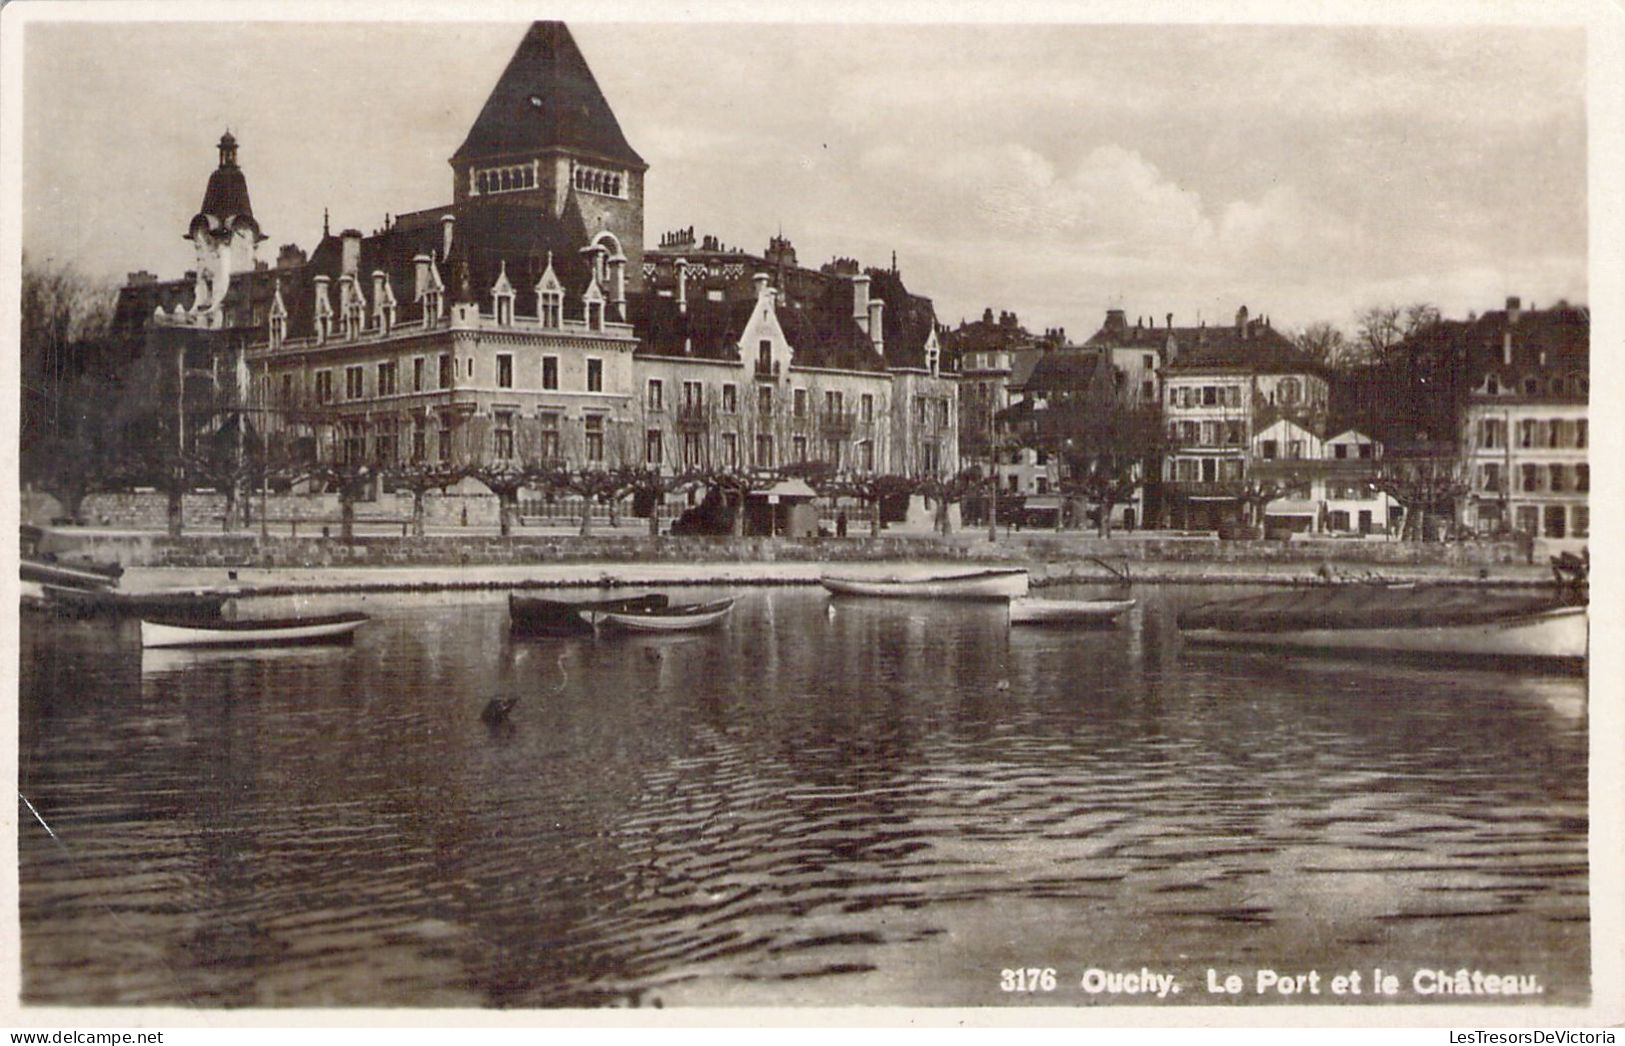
[{"x": 543, "y": 509}]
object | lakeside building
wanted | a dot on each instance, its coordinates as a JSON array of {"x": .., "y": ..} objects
[
  {"x": 994, "y": 358},
  {"x": 1222, "y": 386},
  {"x": 524, "y": 321},
  {"x": 1329, "y": 483},
  {"x": 1524, "y": 430},
  {"x": 1495, "y": 408}
]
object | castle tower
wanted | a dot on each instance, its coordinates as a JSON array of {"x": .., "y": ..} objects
[
  {"x": 546, "y": 134},
  {"x": 224, "y": 234}
]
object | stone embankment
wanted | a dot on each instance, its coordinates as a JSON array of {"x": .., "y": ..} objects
[{"x": 483, "y": 560}]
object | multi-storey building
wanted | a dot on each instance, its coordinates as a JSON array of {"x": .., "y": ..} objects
[
  {"x": 523, "y": 321},
  {"x": 1221, "y": 386},
  {"x": 1328, "y": 484},
  {"x": 1524, "y": 429}
]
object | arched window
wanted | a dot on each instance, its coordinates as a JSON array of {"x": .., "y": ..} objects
[{"x": 482, "y": 182}]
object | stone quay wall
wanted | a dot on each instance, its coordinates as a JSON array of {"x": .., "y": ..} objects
[{"x": 245, "y": 549}]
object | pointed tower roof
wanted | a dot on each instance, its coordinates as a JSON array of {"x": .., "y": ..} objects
[
  {"x": 225, "y": 200},
  {"x": 547, "y": 99}
]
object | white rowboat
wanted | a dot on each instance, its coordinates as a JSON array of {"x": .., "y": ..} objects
[
  {"x": 685, "y": 618},
  {"x": 176, "y": 632},
  {"x": 993, "y": 583},
  {"x": 1032, "y": 611}
]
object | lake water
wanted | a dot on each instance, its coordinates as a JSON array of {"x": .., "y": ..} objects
[{"x": 826, "y": 802}]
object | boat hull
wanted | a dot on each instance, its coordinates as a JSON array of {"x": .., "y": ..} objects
[
  {"x": 1558, "y": 636},
  {"x": 535, "y": 616},
  {"x": 1098, "y": 612},
  {"x": 983, "y": 584},
  {"x": 282, "y": 632},
  {"x": 83, "y": 602},
  {"x": 670, "y": 619},
  {"x": 68, "y": 575}
]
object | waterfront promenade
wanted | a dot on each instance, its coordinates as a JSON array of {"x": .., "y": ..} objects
[{"x": 477, "y": 558}]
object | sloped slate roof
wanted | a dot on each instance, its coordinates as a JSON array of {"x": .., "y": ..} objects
[
  {"x": 547, "y": 98},
  {"x": 906, "y": 321},
  {"x": 1062, "y": 370},
  {"x": 1563, "y": 333},
  {"x": 485, "y": 237},
  {"x": 708, "y": 330},
  {"x": 823, "y": 333},
  {"x": 227, "y": 194}
]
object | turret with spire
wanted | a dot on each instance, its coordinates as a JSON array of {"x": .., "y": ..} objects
[{"x": 224, "y": 235}]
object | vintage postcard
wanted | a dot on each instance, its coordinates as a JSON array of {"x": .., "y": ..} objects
[{"x": 536, "y": 510}]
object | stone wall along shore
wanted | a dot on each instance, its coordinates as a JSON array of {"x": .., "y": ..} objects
[{"x": 246, "y": 549}]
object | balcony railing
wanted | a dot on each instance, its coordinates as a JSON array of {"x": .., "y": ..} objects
[
  {"x": 767, "y": 370},
  {"x": 1203, "y": 488},
  {"x": 838, "y": 422},
  {"x": 692, "y": 417}
]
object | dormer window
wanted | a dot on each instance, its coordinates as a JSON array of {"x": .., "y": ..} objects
[
  {"x": 550, "y": 297},
  {"x": 278, "y": 319},
  {"x": 324, "y": 311},
  {"x": 502, "y": 296},
  {"x": 592, "y": 306}
]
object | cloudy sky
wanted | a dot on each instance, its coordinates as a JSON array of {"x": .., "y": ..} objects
[{"x": 1057, "y": 170}]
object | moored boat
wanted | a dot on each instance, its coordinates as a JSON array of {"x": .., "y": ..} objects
[
  {"x": 536, "y": 616},
  {"x": 81, "y": 574},
  {"x": 987, "y": 583},
  {"x": 1030, "y": 610},
  {"x": 1402, "y": 620},
  {"x": 80, "y": 602},
  {"x": 194, "y": 631},
  {"x": 685, "y": 617}
]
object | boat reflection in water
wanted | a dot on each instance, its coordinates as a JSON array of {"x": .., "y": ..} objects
[{"x": 880, "y": 803}]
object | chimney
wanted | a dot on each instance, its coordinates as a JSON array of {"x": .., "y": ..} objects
[
  {"x": 1514, "y": 309},
  {"x": 760, "y": 280},
  {"x": 1170, "y": 321},
  {"x": 877, "y": 329},
  {"x": 1241, "y": 321},
  {"x": 1116, "y": 321},
  {"x": 860, "y": 301},
  {"x": 1506, "y": 348},
  {"x": 682, "y": 285},
  {"x": 350, "y": 251},
  {"x": 420, "y": 275},
  {"x": 448, "y": 223}
]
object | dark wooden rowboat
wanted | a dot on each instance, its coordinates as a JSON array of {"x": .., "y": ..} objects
[{"x": 536, "y": 616}]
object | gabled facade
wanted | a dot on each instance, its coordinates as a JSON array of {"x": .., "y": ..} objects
[
  {"x": 1221, "y": 387},
  {"x": 1328, "y": 482}
]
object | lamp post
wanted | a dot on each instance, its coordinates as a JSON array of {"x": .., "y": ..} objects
[{"x": 992, "y": 466}]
